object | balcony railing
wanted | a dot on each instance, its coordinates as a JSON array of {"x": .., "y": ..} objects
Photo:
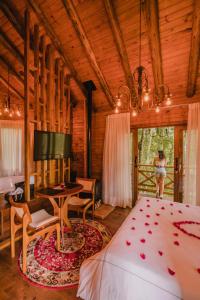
[{"x": 147, "y": 183}]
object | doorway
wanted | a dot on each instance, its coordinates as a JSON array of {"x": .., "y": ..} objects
[{"x": 146, "y": 143}]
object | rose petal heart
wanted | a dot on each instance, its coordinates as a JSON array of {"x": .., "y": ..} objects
[
  {"x": 157, "y": 215},
  {"x": 175, "y": 234},
  {"x": 198, "y": 270},
  {"x": 171, "y": 272},
  {"x": 148, "y": 205},
  {"x": 141, "y": 209},
  {"x": 148, "y": 216},
  {"x": 142, "y": 240},
  {"x": 162, "y": 207},
  {"x": 148, "y": 200},
  {"x": 191, "y": 228},
  {"x": 146, "y": 224},
  {"x": 149, "y": 232},
  {"x": 155, "y": 223},
  {"x": 160, "y": 253},
  {"x": 128, "y": 243},
  {"x": 133, "y": 219},
  {"x": 171, "y": 204}
]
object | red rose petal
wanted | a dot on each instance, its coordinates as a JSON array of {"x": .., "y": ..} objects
[
  {"x": 187, "y": 205},
  {"x": 133, "y": 219},
  {"x": 142, "y": 240},
  {"x": 142, "y": 255},
  {"x": 175, "y": 234},
  {"x": 198, "y": 270},
  {"x": 160, "y": 253},
  {"x": 157, "y": 214},
  {"x": 157, "y": 200},
  {"x": 176, "y": 243},
  {"x": 141, "y": 209},
  {"x": 155, "y": 223},
  {"x": 133, "y": 228},
  {"x": 128, "y": 243},
  {"x": 180, "y": 212},
  {"x": 146, "y": 224},
  {"x": 147, "y": 200},
  {"x": 171, "y": 213},
  {"x": 149, "y": 232},
  {"x": 171, "y": 272},
  {"x": 148, "y": 216},
  {"x": 162, "y": 207},
  {"x": 171, "y": 204},
  {"x": 148, "y": 205}
]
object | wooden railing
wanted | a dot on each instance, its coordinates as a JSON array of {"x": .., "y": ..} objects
[{"x": 146, "y": 179}]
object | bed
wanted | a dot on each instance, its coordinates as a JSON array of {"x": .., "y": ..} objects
[{"x": 155, "y": 255}]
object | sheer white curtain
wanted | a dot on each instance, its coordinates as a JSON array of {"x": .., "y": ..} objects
[
  {"x": 116, "y": 161},
  {"x": 192, "y": 164},
  {"x": 11, "y": 148}
]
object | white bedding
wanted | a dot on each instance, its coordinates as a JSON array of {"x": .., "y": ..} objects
[{"x": 149, "y": 258}]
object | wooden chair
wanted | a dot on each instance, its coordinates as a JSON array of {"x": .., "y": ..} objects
[
  {"x": 78, "y": 203},
  {"x": 39, "y": 223}
]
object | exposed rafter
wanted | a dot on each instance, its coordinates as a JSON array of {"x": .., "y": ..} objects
[
  {"x": 7, "y": 65},
  {"x": 152, "y": 26},
  {"x": 71, "y": 11},
  {"x": 10, "y": 46},
  {"x": 117, "y": 34},
  {"x": 14, "y": 17},
  {"x": 56, "y": 42},
  {"x": 194, "y": 51},
  {"x": 12, "y": 89}
]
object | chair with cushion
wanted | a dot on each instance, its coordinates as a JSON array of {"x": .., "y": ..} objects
[
  {"x": 84, "y": 200},
  {"x": 39, "y": 223}
]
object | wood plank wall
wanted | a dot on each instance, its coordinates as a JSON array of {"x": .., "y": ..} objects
[
  {"x": 50, "y": 110},
  {"x": 167, "y": 117}
]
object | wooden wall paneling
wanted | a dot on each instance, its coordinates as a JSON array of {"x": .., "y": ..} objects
[
  {"x": 67, "y": 113},
  {"x": 44, "y": 101},
  {"x": 57, "y": 113},
  {"x": 50, "y": 98},
  {"x": 37, "y": 116},
  {"x": 194, "y": 51},
  {"x": 26, "y": 105},
  {"x": 62, "y": 118}
]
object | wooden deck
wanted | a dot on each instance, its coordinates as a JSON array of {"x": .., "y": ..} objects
[{"x": 14, "y": 287}]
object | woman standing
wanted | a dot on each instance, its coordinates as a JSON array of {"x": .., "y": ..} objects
[{"x": 160, "y": 172}]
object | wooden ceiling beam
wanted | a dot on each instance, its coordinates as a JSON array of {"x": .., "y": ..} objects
[
  {"x": 150, "y": 8},
  {"x": 72, "y": 13},
  {"x": 194, "y": 51},
  {"x": 10, "y": 46},
  {"x": 119, "y": 41},
  {"x": 12, "y": 89},
  {"x": 6, "y": 64},
  {"x": 56, "y": 42},
  {"x": 14, "y": 17}
]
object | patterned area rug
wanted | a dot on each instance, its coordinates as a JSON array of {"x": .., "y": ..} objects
[{"x": 46, "y": 267}]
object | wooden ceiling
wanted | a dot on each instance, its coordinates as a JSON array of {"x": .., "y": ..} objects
[{"x": 99, "y": 40}]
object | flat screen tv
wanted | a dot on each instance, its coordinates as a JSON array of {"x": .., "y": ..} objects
[{"x": 51, "y": 145}]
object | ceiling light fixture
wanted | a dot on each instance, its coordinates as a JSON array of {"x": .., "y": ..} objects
[{"x": 138, "y": 99}]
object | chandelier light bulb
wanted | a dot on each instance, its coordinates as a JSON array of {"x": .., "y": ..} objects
[
  {"x": 116, "y": 110},
  {"x": 0, "y": 112},
  {"x": 169, "y": 101},
  {"x": 134, "y": 113},
  {"x": 119, "y": 103},
  {"x": 11, "y": 114},
  {"x": 6, "y": 109},
  {"x": 157, "y": 110},
  {"x": 18, "y": 113},
  {"x": 146, "y": 96}
]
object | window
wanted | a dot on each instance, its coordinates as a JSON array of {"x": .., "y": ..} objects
[{"x": 11, "y": 159}]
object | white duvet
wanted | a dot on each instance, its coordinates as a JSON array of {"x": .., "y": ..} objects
[{"x": 149, "y": 258}]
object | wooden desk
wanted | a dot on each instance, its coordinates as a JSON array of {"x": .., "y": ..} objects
[{"x": 61, "y": 208}]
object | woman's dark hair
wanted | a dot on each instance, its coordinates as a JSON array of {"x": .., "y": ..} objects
[{"x": 161, "y": 154}]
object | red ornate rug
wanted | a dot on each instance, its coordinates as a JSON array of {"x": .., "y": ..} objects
[{"x": 46, "y": 267}]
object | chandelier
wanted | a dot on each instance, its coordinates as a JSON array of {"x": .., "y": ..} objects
[
  {"x": 138, "y": 99},
  {"x": 8, "y": 109}
]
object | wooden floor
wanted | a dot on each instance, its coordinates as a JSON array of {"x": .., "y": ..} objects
[{"x": 12, "y": 285}]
